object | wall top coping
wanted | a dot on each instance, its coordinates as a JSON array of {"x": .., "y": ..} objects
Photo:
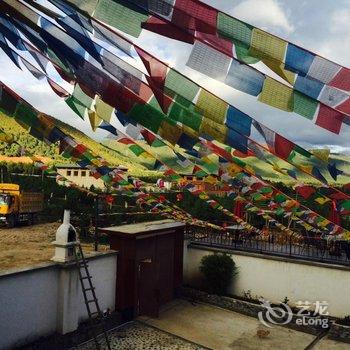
[
  {"x": 271, "y": 257},
  {"x": 54, "y": 265}
]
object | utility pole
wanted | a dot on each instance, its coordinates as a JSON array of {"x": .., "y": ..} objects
[{"x": 96, "y": 223}]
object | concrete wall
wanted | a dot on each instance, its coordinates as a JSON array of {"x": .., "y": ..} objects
[
  {"x": 104, "y": 272},
  {"x": 40, "y": 301},
  {"x": 277, "y": 278},
  {"x": 28, "y": 305}
]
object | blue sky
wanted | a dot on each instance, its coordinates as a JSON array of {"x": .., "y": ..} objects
[{"x": 322, "y": 26}]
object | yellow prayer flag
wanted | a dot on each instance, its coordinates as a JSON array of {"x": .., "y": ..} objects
[
  {"x": 103, "y": 110},
  {"x": 306, "y": 168},
  {"x": 277, "y": 95},
  {"x": 211, "y": 180},
  {"x": 233, "y": 169},
  {"x": 278, "y": 68},
  {"x": 213, "y": 129},
  {"x": 322, "y": 154},
  {"x": 211, "y": 107},
  {"x": 190, "y": 132},
  {"x": 323, "y": 223},
  {"x": 170, "y": 132},
  {"x": 322, "y": 200},
  {"x": 265, "y": 45},
  {"x": 95, "y": 120},
  {"x": 346, "y": 235}
]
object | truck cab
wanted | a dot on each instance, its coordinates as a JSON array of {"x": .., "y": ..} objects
[
  {"x": 18, "y": 206},
  {"x": 8, "y": 204}
]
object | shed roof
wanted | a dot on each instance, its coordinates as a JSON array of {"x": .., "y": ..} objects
[{"x": 143, "y": 227}]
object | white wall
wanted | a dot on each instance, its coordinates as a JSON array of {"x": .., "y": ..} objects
[
  {"x": 28, "y": 306},
  {"x": 104, "y": 274},
  {"x": 275, "y": 279},
  {"x": 39, "y": 301}
]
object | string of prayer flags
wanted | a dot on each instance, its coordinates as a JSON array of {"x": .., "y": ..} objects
[{"x": 213, "y": 132}]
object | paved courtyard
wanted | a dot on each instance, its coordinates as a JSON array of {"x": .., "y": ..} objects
[
  {"x": 221, "y": 329},
  {"x": 139, "y": 336},
  {"x": 195, "y": 326}
]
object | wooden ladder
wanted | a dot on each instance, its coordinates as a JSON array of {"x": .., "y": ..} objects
[{"x": 96, "y": 319}]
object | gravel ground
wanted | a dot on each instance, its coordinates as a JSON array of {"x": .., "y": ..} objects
[
  {"x": 138, "y": 336},
  {"x": 26, "y": 246}
]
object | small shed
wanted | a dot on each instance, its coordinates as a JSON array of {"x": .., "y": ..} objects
[{"x": 150, "y": 265}]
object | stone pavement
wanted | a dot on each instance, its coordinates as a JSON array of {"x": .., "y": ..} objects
[{"x": 139, "y": 336}]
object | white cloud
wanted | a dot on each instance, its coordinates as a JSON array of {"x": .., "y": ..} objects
[
  {"x": 336, "y": 46},
  {"x": 340, "y": 21},
  {"x": 264, "y": 14}
]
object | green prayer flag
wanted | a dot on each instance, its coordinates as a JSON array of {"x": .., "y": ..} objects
[
  {"x": 136, "y": 149},
  {"x": 233, "y": 29},
  {"x": 25, "y": 114},
  {"x": 122, "y": 15},
  {"x": 76, "y": 106},
  {"x": 178, "y": 86},
  {"x": 280, "y": 198},
  {"x": 147, "y": 116},
  {"x": 304, "y": 105}
]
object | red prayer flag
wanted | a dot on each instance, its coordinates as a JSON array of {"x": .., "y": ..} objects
[
  {"x": 344, "y": 107},
  {"x": 339, "y": 196},
  {"x": 155, "y": 68},
  {"x": 148, "y": 136},
  {"x": 342, "y": 79},
  {"x": 58, "y": 90},
  {"x": 283, "y": 147},
  {"x": 163, "y": 28},
  {"x": 305, "y": 191},
  {"x": 196, "y": 16},
  {"x": 329, "y": 119},
  {"x": 221, "y": 44}
]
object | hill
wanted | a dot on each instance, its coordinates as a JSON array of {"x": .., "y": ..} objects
[
  {"x": 39, "y": 148},
  {"x": 116, "y": 154}
]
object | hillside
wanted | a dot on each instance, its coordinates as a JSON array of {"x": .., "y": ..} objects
[
  {"x": 116, "y": 154},
  {"x": 39, "y": 148}
]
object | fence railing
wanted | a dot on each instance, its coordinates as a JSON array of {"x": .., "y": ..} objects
[{"x": 306, "y": 248}]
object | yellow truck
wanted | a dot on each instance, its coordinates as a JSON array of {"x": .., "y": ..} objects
[{"x": 18, "y": 206}]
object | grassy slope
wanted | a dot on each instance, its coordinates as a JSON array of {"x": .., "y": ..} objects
[
  {"x": 34, "y": 146},
  {"x": 117, "y": 154}
]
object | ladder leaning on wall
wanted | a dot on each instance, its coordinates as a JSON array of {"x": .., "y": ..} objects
[{"x": 96, "y": 320}]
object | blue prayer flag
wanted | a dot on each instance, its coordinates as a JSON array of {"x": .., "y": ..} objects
[
  {"x": 245, "y": 78},
  {"x": 298, "y": 60}
]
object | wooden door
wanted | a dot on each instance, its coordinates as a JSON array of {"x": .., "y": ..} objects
[
  {"x": 165, "y": 268},
  {"x": 147, "y": 303}
]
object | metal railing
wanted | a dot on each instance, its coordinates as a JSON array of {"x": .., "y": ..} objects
[{"x": 306, "y": 248}]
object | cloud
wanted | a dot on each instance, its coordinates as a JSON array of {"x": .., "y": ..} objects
[
  {"x": 336, "y": 45},
  {"x": 339, "y": 21},
  {"x": 264, "y": 14}
]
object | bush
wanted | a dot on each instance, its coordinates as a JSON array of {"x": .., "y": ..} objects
[{"x": 218, "y": 271}]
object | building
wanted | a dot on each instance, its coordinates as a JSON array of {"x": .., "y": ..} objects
[{"x": 82, "y": 176}]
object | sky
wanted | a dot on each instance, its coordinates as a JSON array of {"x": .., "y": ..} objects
[{"x": 322, "y": 26}]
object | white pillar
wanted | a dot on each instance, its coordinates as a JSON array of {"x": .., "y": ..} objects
[{"x": 68, "y": 299}]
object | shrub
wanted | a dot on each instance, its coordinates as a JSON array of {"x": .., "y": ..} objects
[{"x": 218, "y": 271}]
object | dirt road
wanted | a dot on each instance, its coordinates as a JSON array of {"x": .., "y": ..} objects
[{"x": 28, "y": 245}]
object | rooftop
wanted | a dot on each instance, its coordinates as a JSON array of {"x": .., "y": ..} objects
[{"x": 144, "y": 227}]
